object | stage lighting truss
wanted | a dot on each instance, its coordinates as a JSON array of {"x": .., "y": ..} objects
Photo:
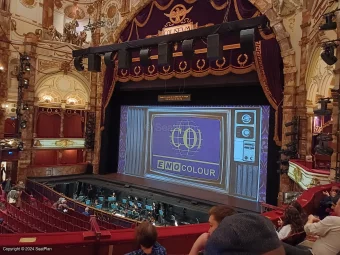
[
  {"x": 323, "y": 111},
  {"x": 78, "y": 64},
  {"x": 322, "y": 148},
  {"x": 329, "y": 24}
]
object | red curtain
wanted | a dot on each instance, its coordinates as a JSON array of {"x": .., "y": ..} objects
[
  {"x": 46, "y": 157},
  {"x": 10, "y": 127},
  {"x": 73, "y": 126},
  {"x": 48, "y": 125},
  {"x": 69, "y": 157}
]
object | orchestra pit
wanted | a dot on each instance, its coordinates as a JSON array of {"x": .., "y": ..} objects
[{"x": 169, "y": 127}]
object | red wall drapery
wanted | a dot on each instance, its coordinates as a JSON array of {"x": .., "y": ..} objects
[
  {"x": 46, "y": 157},
  {"x": 48, "y": 125},
  {"x": 71, "y": 157},
  {"x": 10, "y": 127},
  {"x": 73, "y": 126}
]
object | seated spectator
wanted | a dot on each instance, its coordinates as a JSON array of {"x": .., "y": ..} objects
[
  {"x": 146, "y": 237},
  {"x": 291, "y": 224},
  {"x": 13, "y": 197},
  {"x": 216, "y": 215},
  {"x": 328, "y": 231},
  {"x": 86, "y": 212},
  {"x": 63, "y": 206},
  {"x": 329, "y": 201},
  {"x": 301, "y": 211},
  {"x": 244, "y": 233},
  {"x": 56, "y": 204}
]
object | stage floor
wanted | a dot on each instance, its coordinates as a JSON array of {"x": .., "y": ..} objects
[{"x": 174, "y": 190}]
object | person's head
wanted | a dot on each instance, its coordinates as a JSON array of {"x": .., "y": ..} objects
[
  {"x": 63, "y": 201},
  {"x": 297, "y": 206},
  {"x": 293, "y": 217},
  {"x": 337, "y": 208},
  {"x": 86, "y": 209},
  {"x": 334, "y": 191},
  {"x": 146, "y": 236},
  {"x": 244, "y": 233},
  {"x": 217, "y": 214}
]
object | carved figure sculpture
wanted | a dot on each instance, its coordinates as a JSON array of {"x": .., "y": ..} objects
[
  {"x": 286, "y": 7},
  {"x": 70, "y": 33},
  {"x": 81, "y": 39},
  {"x": 4, "y": 5},
  {"x": 55, "y": 35}
]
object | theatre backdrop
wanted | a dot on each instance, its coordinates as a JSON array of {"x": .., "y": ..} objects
[{"x": 163, "y": 17}]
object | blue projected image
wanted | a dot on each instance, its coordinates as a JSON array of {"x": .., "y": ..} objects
[{"x": 221, "y": 149}]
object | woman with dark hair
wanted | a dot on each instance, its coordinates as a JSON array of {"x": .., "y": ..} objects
[
  {"x": 299, "y": 208},
  {"x": 291, "y": 224}
]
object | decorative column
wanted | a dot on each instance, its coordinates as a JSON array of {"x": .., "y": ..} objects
[
  {"x": 125, "y": 8},
  {"x": 305, "y": 136},
  {"x": 48, "y": 13},
  {"x": 335, "y": 110},
  {"x": 4, "y": 64},
  {"x": 62, "y": 116},
  {"x": 25, "y": 157}
]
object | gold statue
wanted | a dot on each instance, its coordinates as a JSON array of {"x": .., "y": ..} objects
[{"x": 55, "y": 35}]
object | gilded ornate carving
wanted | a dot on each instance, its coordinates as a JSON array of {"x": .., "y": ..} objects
[
  {"x": 29, "y": 3},
  {"x": 297, "y": 174},
  {"x": 178, "y": 13},
  {"x": 64, "y": 143},
  {"x": 74, "y": 12},
  {"x": 54, "y": 34},
  {"x": 45, "y": 64},
  {"x": 286, "y": 7}
]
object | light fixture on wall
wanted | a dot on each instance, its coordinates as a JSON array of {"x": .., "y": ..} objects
[
  {"x": 47, "y": 98},
  {"x": 23, "y": 124},
  {"x": 329, "y": 23},
  {"x": 328, "y": 54},
  {"x": 72, "y": 101},
  {"x": 2, "y": 69}
]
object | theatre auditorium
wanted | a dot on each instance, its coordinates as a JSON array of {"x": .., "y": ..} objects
[{"x": 169, "y": 127}]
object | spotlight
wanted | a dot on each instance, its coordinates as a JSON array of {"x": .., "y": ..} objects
[
  {"x": 188, "y": 49},
  {"x": 293, "y": 122},
  {"x": 25, "y": 107},
  {"x": 328, "y": 55},
  {"x": 323, "y": 111},
  {"x": 24, "y": 57},
  {"x": 247, "y": 40},
  {"x": 94, "y": 63},
  {"x": 108, "y": 59},
  {"x": 21, "y": 146},
  {"x": 215, "y": 47},
  {"x": 322, "y": 148},
  {"x": 27, "y": 67},
  {"x": 144, "y": 56},
  {"x": 124, "y": 59},
  {"x": 78, "y": 63},
  {"x": 25, "y": 83},
  {"x": 23, "y": 124},
  {"x": 329, "y": 24},
  {"x": 164, "y": 54}
]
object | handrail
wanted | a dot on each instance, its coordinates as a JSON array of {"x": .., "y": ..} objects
[{"x": 95, "y": 210}]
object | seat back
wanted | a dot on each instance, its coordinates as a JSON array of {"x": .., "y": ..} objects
[{"x": 295, "y": 239}]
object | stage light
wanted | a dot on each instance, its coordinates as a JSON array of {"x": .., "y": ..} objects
[
  {"x": 27, "y": 67},
  {"x": 78, "y": 64},
  {"x": 25, "y": 83},
  {"x": 165, "y": 54},
  {"x": 188, "y": 49},
  {"x": 23, "y": 124},
  {"x": 94, "y": 63},
  {"x": 124, "y": 59},
  {"x": 328, "y": 54},
  {"x": 247, "y": 40},
  {"x": 323, "y": 111},
  {"x": 108, "y": 59},
  {"x": 329, "y": 23},
  {"x": 24, "y": 57},
  {"x": 291, "y": 144},
  {"x": 144, "y": 57},
  {"x": 293, "y": 122},
  {"x": 25, "y": 107},
  {"x": 322, "y": 148},
  {"x": 215, "y": 47},
  {"x": 21, "y": 146}
]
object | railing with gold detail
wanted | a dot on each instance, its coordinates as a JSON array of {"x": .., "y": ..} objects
[{"x": 307, "y": 177}]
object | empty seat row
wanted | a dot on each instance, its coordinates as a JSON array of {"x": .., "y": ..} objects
[{"x": 15, "y": 225}]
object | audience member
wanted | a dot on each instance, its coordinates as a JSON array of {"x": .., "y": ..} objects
[
  {"x": 244, "y": 233},
  {"x": 216, "y": 215},
  {"x": 328, "y": 231},
  {"x": 146, "y": 237},
  {"x": 13, "y": 197},
  {"x": 301, "y": 211},
  {"x": 86, "y": 212},
  {"x": 56, "y": 204},
  {"x": 63, "y": 206},
  {"x": 329, "y": 201},
  {"x": 8, "y": 185},
  {"x": 291, "y": 224}
]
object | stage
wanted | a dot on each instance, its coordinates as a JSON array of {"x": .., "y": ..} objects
[{"x": 178, "y": 192}]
